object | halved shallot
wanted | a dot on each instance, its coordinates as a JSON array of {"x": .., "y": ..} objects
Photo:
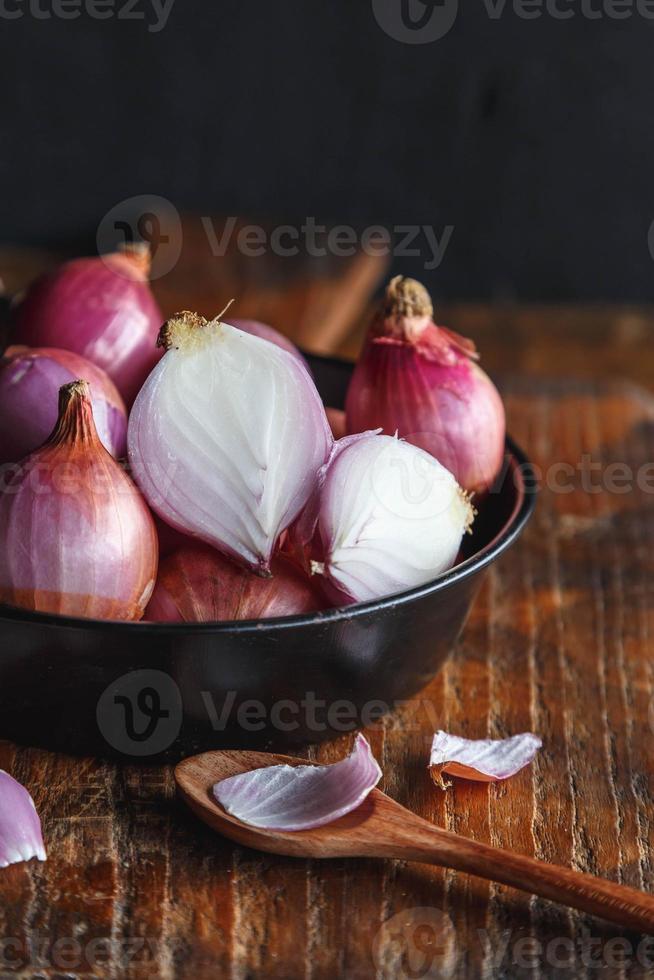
[
  {"x": 300, "y": 797},
  {"x": 483, "y": 760},
  {"x": 389, "y": 518},
  {"x": 226, "y": 437}
]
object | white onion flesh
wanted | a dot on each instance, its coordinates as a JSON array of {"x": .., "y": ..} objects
[
  {"x": 390, "y": 517},
  {"x": 226, "y": 438}
]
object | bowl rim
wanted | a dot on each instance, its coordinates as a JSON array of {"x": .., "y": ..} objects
[{"x": 517, "y": 468}]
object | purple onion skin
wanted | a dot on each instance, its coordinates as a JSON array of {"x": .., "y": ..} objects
[
  {"x": 29, "y": 395},
  {"x": 421, "y": 381},
  {"x": 198, "y": 584},
  {"x": 101, "y": 308},
  {"x": 266, "y": 332},
  {"x": 21, "y": 838},
  {"x": 452, "y": 411}
]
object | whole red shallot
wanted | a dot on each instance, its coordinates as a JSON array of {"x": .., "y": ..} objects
[
  {"x": 100, "y": 307},
  {"x": 76, "y": 537},
  {"x": 226, "y": 437},
  {"x": 30, "y": 379},
  {"x": 198, "y": 585},
  {"x": 421, "y": 381}
]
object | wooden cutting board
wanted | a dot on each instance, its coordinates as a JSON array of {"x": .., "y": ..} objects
[{"x": 560, "y": 642}]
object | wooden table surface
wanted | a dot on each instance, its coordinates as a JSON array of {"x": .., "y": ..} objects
[{"x": 560, "y": 642}]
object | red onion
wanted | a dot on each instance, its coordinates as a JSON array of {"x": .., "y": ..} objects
[
  {"x": 420, "y": 381},
  {"x": 76, "y": 537},
  {"x": 198, "y": 585},
  {"x": 30, "y": 379},
  {"x": 101, "y": 308},
  {"x": 258, "y": 329},
  {"x": 21, "y": 838},
  {"x": 226, "y": 437},
  {"x": 483, "y": 760},
  {"x": 389, "y": 518},
  {"x": 300, "y": 797}
]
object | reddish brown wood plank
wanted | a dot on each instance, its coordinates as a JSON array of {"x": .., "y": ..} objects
[{"x": 560, "y": 642}]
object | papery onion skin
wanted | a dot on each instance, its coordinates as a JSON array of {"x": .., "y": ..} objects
[
  {"x": 482, "y": 760},
  {"x": 421, "y": 381},
  {"x": 76, "y": 537},
  {"x": 199, "y": 585},
  {"x": 389, "y": 517},
  {"x": 293, "y": 798},
  {"x": 21, "y": 837},
  {"x": 101, "y": 308},
  {"x": 266, "y": 332},
  {"x": 30, "y": 379},
  {"x": 226, "y": 438}
]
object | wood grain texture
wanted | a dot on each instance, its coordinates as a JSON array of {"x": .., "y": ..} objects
[
  {"x": 560, "y": 641},
  {"x": 380, "y": 827}
]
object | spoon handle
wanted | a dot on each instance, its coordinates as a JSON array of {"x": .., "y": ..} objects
[{"x": 617, "y": 903}]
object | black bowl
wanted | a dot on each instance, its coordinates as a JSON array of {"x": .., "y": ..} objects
[{"x": 161, "y": 691}]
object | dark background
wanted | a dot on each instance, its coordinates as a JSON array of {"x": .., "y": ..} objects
[{"x": 533, "y": 138}]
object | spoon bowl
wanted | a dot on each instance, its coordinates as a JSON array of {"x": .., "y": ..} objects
[{"x": 382, "y": 828}]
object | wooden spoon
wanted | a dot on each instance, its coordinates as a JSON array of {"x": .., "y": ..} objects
[{"x": 380, "y": 827}]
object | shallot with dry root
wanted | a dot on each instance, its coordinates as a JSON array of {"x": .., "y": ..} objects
[
  {"x": 76, "y": 536},
  {"x": 421, "y": 381}
]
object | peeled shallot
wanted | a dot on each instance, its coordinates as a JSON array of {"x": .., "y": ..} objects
[
  {"x": 226, "y": 437},
  {"x": 387, "y": 517}
]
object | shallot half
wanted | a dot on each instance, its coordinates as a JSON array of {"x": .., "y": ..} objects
[
  {"x": 197, "y": 585},
  {"x": 30, "y": 379},
  {"x": 421, "y": 381},
  {"x": 389, "y": 518},
  {"x": 76, "y": 537},
  {"x": 101, "y": 308},
  {"x": 226, "y": 437}
]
